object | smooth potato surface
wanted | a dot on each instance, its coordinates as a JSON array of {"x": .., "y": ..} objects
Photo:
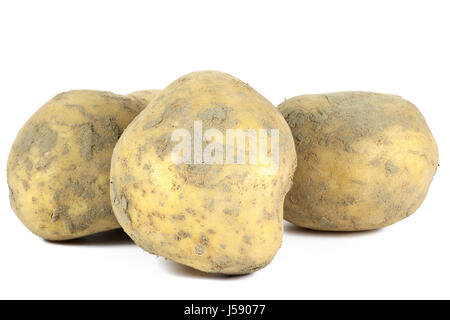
[
  {"x": 58, "y": 167},
  {"x": 220, "y": 218},
  {"x": 365, "y": 160}
]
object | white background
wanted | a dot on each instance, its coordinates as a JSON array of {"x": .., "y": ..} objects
[{"x": 282, "y": 49}]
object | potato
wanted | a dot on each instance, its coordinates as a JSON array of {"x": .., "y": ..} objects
[
  {"x": 144, "y": 96},
  {"x": 365, "y": 160},
  {"x": 217, "y": 217},
  {"x": 58, "y": 168}
]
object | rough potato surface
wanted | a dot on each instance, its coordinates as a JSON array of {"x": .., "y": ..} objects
[
  {"x": 144, "y": 96},
  {"x": 219, "y": 218},
  {"x": 365, "y": 160},
  {"x": 58, "y": 167}
]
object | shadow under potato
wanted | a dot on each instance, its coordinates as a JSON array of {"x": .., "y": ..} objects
[
  {"x": 186, "y": 271},
  {"x": 115, "y": 237},
  {"x": 290, "y": 228}
]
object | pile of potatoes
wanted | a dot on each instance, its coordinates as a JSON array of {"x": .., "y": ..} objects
[{"x": 91, "y": 161}]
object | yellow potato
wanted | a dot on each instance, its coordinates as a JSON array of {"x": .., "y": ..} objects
[
  {"x": 215, "y": 217},
  {"x": 144, "y": 96},
  {"x": 365, "y": 160},
  {"x": 58, "y": 167}
]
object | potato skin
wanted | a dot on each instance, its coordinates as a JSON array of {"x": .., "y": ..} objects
[
  {"x": 365, "y": 160},
  {"x": 215, "y": 218},
  {"x": 144, "y": 96},
  {"x": 58, "y": 167}
]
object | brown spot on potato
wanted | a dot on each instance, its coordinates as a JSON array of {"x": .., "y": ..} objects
[
  {"x": 124, "y": 209},
  {"x": 152, "y": 123},
  {"x": 40, "y": 135},
  {"x": 231, "y": 211},
  {"x": 191, "y": 211},
  {"x": 90, "y": 140},
  {"x": 182, "y": 235},
  {"x": 204, "y": 240},
  {"x": 44, "y": 161},
  {"x": 215, "y": 116},
  {"x": 161, "y": 145},
  {"x": 83, "y": 186},
  {"x": 25, "y": 185},
  {"x": 86, "y": 141},
  {"x": 390, "y": 167},
  {"x": 61, "y": 210},
  {"x": 247, "y": 239},
  {"x": 199, "y": 250}
]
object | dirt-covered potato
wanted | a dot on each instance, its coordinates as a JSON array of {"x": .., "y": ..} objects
[
  {"x": 365, "y": 160},
  {"x": 144, "y": 96},
  {"x": 58, "y": 168},
  {"x": 214, "y": 216}
]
